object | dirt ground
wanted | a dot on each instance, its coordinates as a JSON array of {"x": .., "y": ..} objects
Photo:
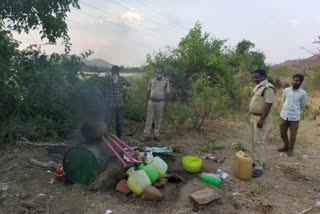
[{"x": 289, "y": 184}]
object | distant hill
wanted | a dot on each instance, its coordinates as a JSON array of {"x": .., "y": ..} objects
[
  {"x": 97, "y": 62},
  {"x": 309, "y": 65}
]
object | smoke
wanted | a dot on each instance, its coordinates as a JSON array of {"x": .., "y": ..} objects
[{"x": 89, "y": 107}]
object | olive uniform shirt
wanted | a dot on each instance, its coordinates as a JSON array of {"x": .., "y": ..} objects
[{"x": 264, "y": 94}]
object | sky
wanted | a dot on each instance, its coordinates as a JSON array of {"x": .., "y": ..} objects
[{"x": 123, "y": 32}]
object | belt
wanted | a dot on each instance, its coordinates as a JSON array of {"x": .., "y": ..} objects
[
  {"x": 156, "y": 100},
  {"x": 257, "y": 114}
]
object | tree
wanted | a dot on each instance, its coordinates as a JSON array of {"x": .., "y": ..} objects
[
  {"x": 49, "y": 16},
  {"x": 243, "y": 61},
  {"x": 244, "y": 46},
  {"x": 198, "y": 55}
]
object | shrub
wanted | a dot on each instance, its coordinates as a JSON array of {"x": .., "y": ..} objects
[
  {"x": 207, "y": 103},
  {"x": 178, "y": 114},
  {"x": 135, "y": 97},
  {"x": 34, "y": 91}
]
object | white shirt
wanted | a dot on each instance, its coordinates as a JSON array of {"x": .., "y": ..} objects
[{"x": 293, "y": 101}]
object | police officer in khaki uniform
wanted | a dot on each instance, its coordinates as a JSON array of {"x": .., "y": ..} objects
[
  {"x": 156, "y": 103},
  {"x": 260, "y": 105}
]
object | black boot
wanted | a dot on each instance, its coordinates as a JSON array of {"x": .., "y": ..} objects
[{"x": 257, "y": 173}]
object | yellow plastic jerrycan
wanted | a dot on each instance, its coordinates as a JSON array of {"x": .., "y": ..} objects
[
  {"x": 159, "y": 165},
  {"x": 242, "y": 166},
  {"x": 138, "y": 181}
]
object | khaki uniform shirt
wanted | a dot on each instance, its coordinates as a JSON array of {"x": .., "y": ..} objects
[
  {"x": 264, "y": 94},
  {"x": 158, "y": 88}
]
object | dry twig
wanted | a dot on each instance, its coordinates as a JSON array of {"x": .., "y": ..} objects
[{"x": 26, "y": 141}]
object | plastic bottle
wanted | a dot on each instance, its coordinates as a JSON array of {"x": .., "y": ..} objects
[
  {"x": 211, "y": 179},
  {"x": 223, "y": 175},
  {"x": 158, "y": 164}
]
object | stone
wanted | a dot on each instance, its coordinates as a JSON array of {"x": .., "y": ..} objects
[
  {"x": 204, "y": 196},
  {"x": 123, "y": 187},
  {"x": 151, "y": 194},
  {"x": 176, "y": 149},
  {"x": 4, "y": 187},
  {"x": 160, "y": 183}
]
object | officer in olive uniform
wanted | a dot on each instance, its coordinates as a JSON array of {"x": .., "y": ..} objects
[
  {"x": 260, "y": 106},
  {"x": 156, "y": 103}
]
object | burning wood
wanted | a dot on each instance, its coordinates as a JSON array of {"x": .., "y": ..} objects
[
  {"x": 58, "y": 175},
  {"x": 60, "y": 171}
]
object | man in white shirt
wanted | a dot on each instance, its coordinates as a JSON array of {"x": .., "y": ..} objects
[{"x": 294, "y": 98}]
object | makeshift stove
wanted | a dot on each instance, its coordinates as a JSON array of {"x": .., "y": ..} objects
[{"x": 83, "y": 163}]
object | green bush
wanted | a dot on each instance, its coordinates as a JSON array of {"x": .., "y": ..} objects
[
  {"x": 135, "y": 97},
  {"x": 34, "y": 91},
  {"x": 240, "y": 147},
  {"x": 178, "y": 114},
  {"x": 207, "y": 103},
  {"x": 316, "y": 81}
]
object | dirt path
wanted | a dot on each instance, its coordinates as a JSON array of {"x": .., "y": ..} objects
[{"x": 288, "y": 185}]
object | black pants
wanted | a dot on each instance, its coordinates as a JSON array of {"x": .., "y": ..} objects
[{"x": 118, "y": 112}]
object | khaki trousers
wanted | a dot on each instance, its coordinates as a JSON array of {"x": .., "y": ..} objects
[
  {"x": 284, "y": 126},
  {"x": 258, "y": 136},
  {"x": 154, "y": 113}
]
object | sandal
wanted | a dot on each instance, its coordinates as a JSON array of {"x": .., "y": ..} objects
[
  {"x": 144, "y": 139},
  {"x": 257, "y": 173}
]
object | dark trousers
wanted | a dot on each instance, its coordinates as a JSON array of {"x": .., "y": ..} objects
[
  {"x": 293, "y": 126},
  {"x": 118, "y": 112}
]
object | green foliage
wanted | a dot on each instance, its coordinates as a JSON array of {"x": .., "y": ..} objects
[
  {"x": 316, "y": 81},
  {"x": 197, "y": 55},
  {"x": 212, "y": 144},
  {"x": 49, "y": 16},
  {"x": 255, "y": 190},
  {"x": 243, "y": 47},
  {"x": 33, "y": 90},
  {"x": 240, "y": 147},
  {"x": 242, "y": 99},
  {"x": 207, "y": 103},
  {"x": 243, "y": 61},
  {"x": 200, "y": 56},
  {"x": 206, "y": 75},
  {"x": 135, "y": 97},
  {"x": 178, "y": 114}
]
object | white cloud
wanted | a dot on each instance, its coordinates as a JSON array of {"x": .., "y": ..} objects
[{"x": 131, "y": 17}]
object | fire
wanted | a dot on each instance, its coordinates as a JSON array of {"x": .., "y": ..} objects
[{"x": 60, "y": 171}]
